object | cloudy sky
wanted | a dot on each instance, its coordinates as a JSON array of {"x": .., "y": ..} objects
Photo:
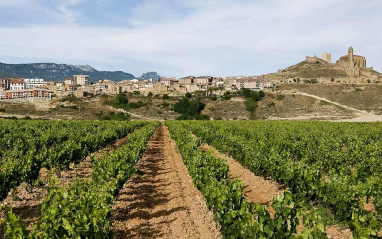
[{"x": 188, "y": 37}]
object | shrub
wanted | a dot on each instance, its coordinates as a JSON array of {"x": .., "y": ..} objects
[
  {"x": 261, "y": 94},
  {"x": 2, "y": 110},
  {"x": 271, "y": 104},
  {"x": 188, "y": 95},
  {"x": 150, "y": 94},
  {"x": 165, "y": 97},
  {"x": 213, "y": 98},
  {"x": 190, "y": 109},
  {"x": 226, "y": 96},
  {"x": 165, "y": 104},
  {"x": 250, "y": 105},
  {"x": 120, "y": 100},
  {"x": 280, "y": 97},
  {"x": 137, "y": 105}
]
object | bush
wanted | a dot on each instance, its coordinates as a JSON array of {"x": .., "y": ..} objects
[
  {"x": 137, "y": 105},
  {"x": 247, "y": 93},
  {"x": 150, "y": 94},
  {"x": 188, "y": 95},
  {"x": 69, "y": 98},
  {"x": 271, "y": 104},
  {"x": 261, "y": 94},
  {"x": 280, "y": 97},
  {"x": 165, "y": 105},
  {"x": 120, "y": 100},
  {"x": 226, "y": 96},
  {"x": 165, "y": 97},
  {"x": 2, "y": 110},
  {"x": 190, "y": 109},
  {"x": 213, "y": 98},
  {"x": 250, "y": 105}
]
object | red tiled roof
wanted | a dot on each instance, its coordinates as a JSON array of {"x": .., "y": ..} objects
[
  {"x": 354, "y": 56},
  {"x": 20, "y": 81}
]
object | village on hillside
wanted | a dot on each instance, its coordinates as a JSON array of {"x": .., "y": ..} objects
[{"x": 349, "y": 69}]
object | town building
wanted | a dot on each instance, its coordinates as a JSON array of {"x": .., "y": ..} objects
[
  {"x": 17, "y": 84},
  {"x": 33, "y": 83},
  {"x": 189, "y": 80},
  {"x": 168, "y": 81},
  {"x": 26, "y": 94},
  {"x": 5, "y": 83},
  {"x": 81, "y": 79},
  {"x": 203, "y": 80}
]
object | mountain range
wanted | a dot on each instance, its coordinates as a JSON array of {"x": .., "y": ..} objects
[{"x": 56, "y": 72}]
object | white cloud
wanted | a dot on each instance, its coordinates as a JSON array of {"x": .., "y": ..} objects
[{"x": 207, "y": 37}]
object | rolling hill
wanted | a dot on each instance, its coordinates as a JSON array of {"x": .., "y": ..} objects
[{"x": 56, "y": 72}]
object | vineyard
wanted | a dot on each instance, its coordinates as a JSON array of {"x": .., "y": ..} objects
[{"x": 198, "y": 179}]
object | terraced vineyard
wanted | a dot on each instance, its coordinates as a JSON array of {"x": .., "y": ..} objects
[{"x": 194, "y": 179}]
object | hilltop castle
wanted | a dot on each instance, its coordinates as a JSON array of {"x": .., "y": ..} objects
[{"x": 350, "y": 63}]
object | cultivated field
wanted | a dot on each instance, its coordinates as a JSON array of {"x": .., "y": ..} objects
[{"x": 190, "y": 179}]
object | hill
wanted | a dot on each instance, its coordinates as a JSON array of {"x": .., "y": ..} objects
[
  {"x": 56, "y": 72},
  {"x": 307, "y": 70}
]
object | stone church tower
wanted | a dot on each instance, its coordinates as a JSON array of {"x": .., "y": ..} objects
[{"x": 351, "y": 62}]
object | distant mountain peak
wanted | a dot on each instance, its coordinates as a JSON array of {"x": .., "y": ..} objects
[
  {"x": 56, "y": 72},
  {"x": 150, "y": 75},
  {"x": 86, "y": 68}
]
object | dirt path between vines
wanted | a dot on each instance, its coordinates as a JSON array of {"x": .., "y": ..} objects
[
  {"x": 27, "y": 203},
  {"x": 256, "y": 189},
  {"x": 162, "y": 202}
]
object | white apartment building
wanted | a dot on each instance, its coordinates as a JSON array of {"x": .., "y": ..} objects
[
  {"x": 33, "y": 83},
  {"x": 81, "y": 79},
  {"x": 17, "y": 84}
]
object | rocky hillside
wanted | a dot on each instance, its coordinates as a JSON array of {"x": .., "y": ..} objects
[{"x": 56, "y": 72}]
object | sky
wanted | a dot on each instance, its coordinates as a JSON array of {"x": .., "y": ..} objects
[{"x": 188, "y": 37}]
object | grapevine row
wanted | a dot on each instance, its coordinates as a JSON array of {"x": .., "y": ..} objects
[
  {"x": 237, "y": 217},
  {"x": 24, "y": 155},
  {"x": 83, "y": 209},
  {"x": 334, "y": 166}
]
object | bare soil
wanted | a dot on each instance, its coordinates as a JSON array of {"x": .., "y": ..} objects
[
  {"x": 256, "y": 189},
  {"x": 26, "y": 200},
  {"x": 162, "y": 202},
  {"x": 338, "y": 233}
]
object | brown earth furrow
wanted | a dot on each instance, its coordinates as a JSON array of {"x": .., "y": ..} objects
[
  {"x": 26, "y": 203},
  {"x": 162, "y": 202},
  {"x": 256, "y": 189}
]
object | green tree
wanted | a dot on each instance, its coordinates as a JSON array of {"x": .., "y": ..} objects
[{"x": 120, "y": 100}]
